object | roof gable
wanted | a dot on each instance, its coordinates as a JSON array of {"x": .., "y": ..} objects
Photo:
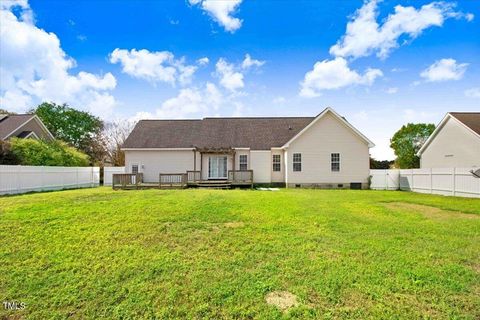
[
  {"x": 12, "y": 123},
  {"x": 338, "y": 117},
  {"x": 468, "y": 120}
]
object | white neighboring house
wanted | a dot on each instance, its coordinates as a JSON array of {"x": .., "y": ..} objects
[
  {"x": 23, "y": 126},
  {"x": 455, "y": 143},
  {"x": 322, "y": 151}
]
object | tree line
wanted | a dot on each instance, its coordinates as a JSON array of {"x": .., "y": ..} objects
[{"x": 81, "y": 139}]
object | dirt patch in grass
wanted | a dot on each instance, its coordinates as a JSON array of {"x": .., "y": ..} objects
[
  {"x": 283, "y": 300},
  {"x": 235, "y": 224},
  {"x": 430, "y": 212}
]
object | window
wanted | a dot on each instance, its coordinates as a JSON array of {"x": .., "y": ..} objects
[
  {"x": 276, "y": 162},
  {"x": 243, "y": 162},
  {"x": 335, "y": 161},
  {"x": 135, "y": 168},
  {"x": 297, "y": 162}
]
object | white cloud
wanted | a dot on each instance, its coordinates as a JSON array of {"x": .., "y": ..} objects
[
  {"x": 203, "y": 61},
  {"x": 364, "y": 35},
  {"x": 221, "y": 11},
  {"x": 473, "y": 93},
  {"x": 229, "y": 78},
  {"x": 189, "y": 102},
  {"x": 392, "y": 90},
  {"x": 155, "y": 66},
  {"x": 231, "y": 75},
  {"x": 444, "y": 70},
  {"x": 248, "y": 62},
  {"x": 334, "y": 74},
  {"x": 34, "y": 68}
]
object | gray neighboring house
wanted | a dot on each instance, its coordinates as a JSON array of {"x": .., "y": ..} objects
[
  {"x": 23, "y": 126},
  {"x": 455, "y": 143},
  {"x": 322, "y": 151}
]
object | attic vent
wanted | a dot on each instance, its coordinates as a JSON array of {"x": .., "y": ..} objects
[{"x": 289, "y": 127}]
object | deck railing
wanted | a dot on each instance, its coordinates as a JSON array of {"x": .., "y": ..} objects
[
  {"x": 240, "y": 176},
  {"x": 193, "y": 176},
  {"x": 126, "y": 180},
  {"x": 173, "y": 180}
]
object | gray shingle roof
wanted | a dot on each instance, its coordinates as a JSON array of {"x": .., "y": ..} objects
[
  {"x": 12, "y": 122},
  {"x": 253, "y": 133},
  {"x": 470, "y": 119}
]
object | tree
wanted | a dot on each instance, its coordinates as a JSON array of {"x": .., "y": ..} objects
[
  {"x": 33, "y": 152},
  {"x": 381, "y": 164},
  {"x": 80, "y": 129},
  {"x": 115, "y": 134},
  {"x": 407, "y": 141},
  {"x": 3, "y": 111}
]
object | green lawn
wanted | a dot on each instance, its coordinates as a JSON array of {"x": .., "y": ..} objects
[{"x": 98, "y": 253}]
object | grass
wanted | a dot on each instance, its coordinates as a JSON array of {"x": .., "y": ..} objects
[{"x": 98, "y": 253}]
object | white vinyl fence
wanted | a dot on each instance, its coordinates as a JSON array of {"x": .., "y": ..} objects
[
  {"x": 108, "y": 173},
  {"x": 458, "y": 182},
  {"x": 21, "y": 179}
]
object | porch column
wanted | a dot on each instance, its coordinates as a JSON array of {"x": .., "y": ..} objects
[
  {"x": 233, "y": 163},
  {"x": 201, "y": 166}
]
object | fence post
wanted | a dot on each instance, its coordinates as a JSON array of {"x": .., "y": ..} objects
[
  {"x": 18, "y": 178},
  {"x": 431, "y": 180},
  {"x": 454, "y": 182}
]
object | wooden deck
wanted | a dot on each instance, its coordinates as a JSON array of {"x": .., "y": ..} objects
[{"x": 190, "y": 179}]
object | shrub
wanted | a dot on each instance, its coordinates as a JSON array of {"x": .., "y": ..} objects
[
  {"x": 42, "y": 153},
  {"x": 6, "y": 155}
]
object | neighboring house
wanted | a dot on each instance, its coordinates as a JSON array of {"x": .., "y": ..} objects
[
  {"x": 322, "y": 151},
  {"x": 23, "y": 126},
  {"x": 454, "y": 143}
]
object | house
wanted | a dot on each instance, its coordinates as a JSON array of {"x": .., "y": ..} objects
[
  {"x": 23, "y": 126},
  {"x": 322, "y": 151},
  {"x": 455, "y": 143}
]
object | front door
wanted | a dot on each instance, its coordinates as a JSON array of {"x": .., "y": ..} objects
[{"x": 217, "y": 167}]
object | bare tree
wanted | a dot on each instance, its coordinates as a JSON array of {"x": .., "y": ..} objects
[{"x": 115, "y": 133}]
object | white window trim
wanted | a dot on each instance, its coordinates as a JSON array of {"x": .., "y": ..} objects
[
  {"x": 339, "y": 161},
  {"x": 135, "y": 164},
  {"x": 295, "y": 162},
  {"x": 240, "y": 161},
  {"x": 279, "y": 162}
]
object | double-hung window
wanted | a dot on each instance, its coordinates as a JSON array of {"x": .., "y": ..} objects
[
  {"x": 276, "y": 163},
  {"x": 335, "y": 162},
  {"x": 135, "y": 168},
  {"x": 297, "y": 162},
  {"x": 243, "y": 162}
]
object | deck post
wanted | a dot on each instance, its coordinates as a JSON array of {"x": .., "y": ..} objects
[
  {"x": 201, "y": 165},
  {"x": 194, "y": 164}
]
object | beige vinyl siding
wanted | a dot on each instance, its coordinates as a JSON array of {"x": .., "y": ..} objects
[
  {"x": 152, "y": 163},
  {"x": 453, "y": 146},
  {"x": 260, "y": 163},
  {"x": 328, "y": 135},
  {"x": 278, "y": 176}
]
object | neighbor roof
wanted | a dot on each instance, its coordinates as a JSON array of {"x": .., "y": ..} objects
[
  {"x": 11, "y": 122},
  {"x": 470, "y": 119},
  {"x": 253, "y": 133}
]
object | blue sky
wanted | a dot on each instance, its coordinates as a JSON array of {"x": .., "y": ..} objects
[{"x": 379, "y": 63}]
